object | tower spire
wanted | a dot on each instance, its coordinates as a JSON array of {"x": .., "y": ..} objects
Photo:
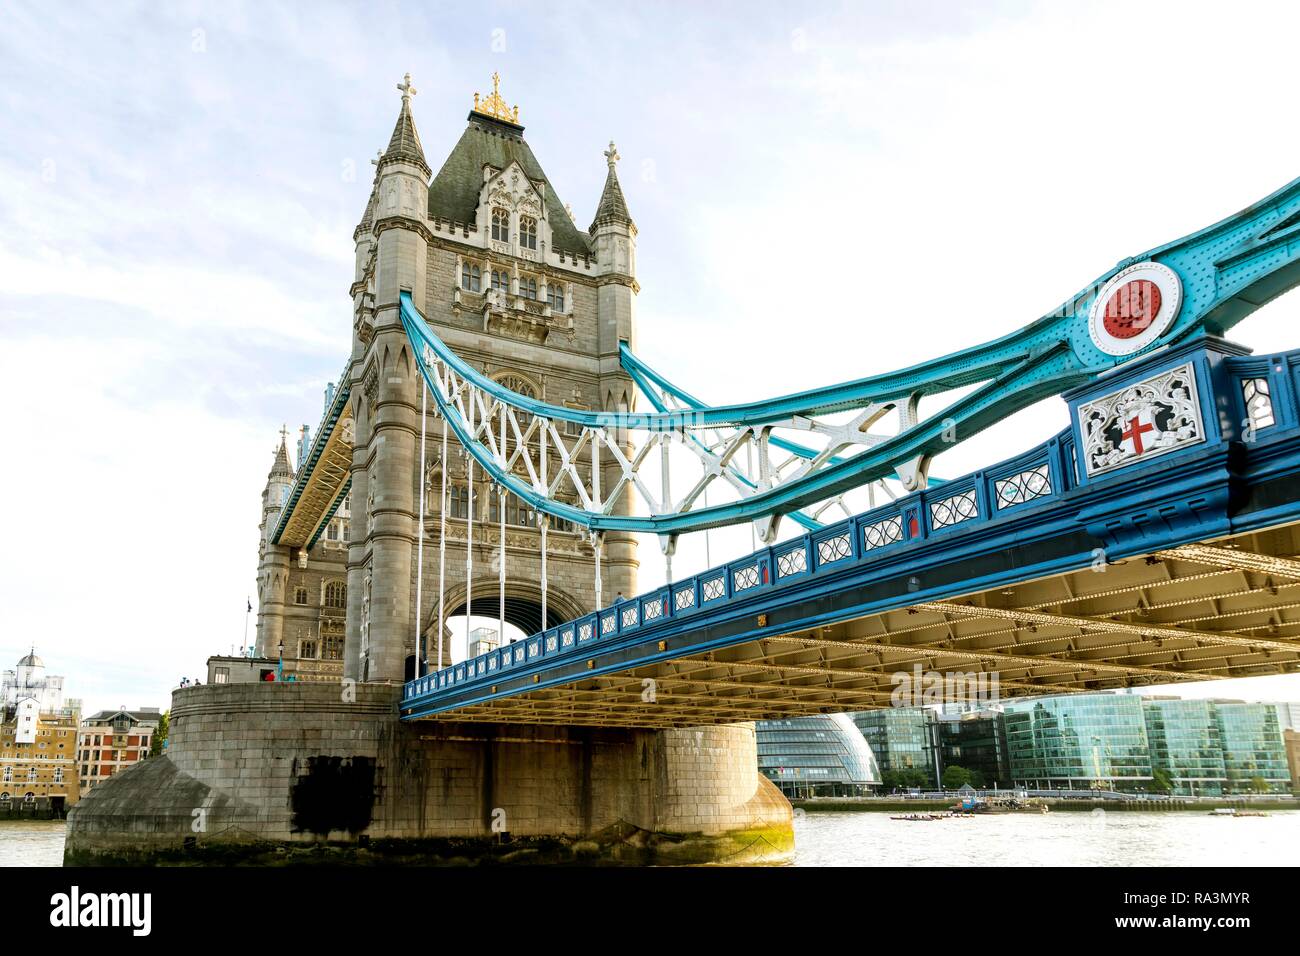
[
  {"x": 404, "y": 144},
  {"x": 280, "y": 467},
  {"x": 612, "y": 206}
]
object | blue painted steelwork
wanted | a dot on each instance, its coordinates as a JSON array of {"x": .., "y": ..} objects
[
  {"x": 1037, "y": 496},
  {"x": 333, "y": 412},
  {"x": 655, "y": 386},
  {"x": 1226, "y": 271}
]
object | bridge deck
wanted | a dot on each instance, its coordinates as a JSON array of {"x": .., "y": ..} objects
[{"x": 1173, "y": 568}]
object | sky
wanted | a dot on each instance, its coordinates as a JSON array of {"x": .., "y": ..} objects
[{"x": 822, "y": 192}]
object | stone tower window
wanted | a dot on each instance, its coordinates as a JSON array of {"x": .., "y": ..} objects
[
  {"x": 336, "y": 594},
  {"x": 500, "y": 225},
  {"x": 471, "y": 278},
  {"x": 528, "y": 288},
  {"x": 521, "y": 387},
  {"x": 307, "y": 649},
  {"x": 501, "y": 281},
  {"x": 300, "y": 596},
  {"x": 459, "y": 504},
  {"x": 555, "y": 297},
  {"x": 528, "y": 232}
]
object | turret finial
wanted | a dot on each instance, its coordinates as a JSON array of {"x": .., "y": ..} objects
[
  {"x": 611, "y": 154},
  {"x": 494, "y": 105},
  {"x": 406, "y": 89}
]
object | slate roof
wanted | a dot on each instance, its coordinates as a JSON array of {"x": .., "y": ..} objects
[
  {"x": 613, "y": 207},
  {"x": 486, "y": 141},
  {"x": 139, "y": 716},
  {"x": 280, "y": 467},
  {"x": 405, "y": 141}
]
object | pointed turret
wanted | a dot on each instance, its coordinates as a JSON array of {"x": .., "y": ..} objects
[
  {"x": 612, "y": 206},
  {"x": 404, "y": 144},
  {"x": 281, "y": 468},
  {"x": 273, "y": 559}
]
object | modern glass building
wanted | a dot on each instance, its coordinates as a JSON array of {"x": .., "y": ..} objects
[
  {"x": 1078, "y": 741},
  {"x": 902, "y": 740},
  {"x": 822, "y": 756},
  {"x": 1254, "y": 753},
  {"x": 1185, "y": 745},
  {"x": 975, "y": 741}
]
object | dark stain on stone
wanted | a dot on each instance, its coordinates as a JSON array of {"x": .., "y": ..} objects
[
  {"x": 488, "y": 788},
  {"x": 335, "y": 793},
  {"x": 584, "y": 797}
]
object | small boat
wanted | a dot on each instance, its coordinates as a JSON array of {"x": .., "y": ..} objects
[{"x": 919, "y": 817}]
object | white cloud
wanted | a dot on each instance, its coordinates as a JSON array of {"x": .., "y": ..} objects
[{"x": 903, "y": 182}]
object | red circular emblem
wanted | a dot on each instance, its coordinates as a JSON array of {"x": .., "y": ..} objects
[{"x": 1132, "y": 308}]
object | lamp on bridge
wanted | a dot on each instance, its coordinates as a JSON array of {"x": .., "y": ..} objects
[{"x": 279, "y": 667}]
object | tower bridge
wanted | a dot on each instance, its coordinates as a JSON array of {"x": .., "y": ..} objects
[{"x": 497, "y": 442}]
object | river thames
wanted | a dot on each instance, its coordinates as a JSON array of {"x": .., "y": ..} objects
[{"x": 840, "y": 838}]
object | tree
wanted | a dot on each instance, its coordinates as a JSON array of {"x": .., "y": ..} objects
[
  {"x": 1259, "y": 785},
  {"x": 954, "y": 778},
  {"x": 1161, "y": 781},
  {"x": 160, "y": 735}
]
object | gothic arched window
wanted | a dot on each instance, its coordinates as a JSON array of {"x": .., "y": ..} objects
[
  {"x": 528, "y": 287},
  {"x": 336, "y": 594},
  {"x": 500, "y": 225},
  {"x": 300, "y": 596},
  {"x": 501, "y": 281},
  {"x": 458, "y": 507},
  {"x": 555, "y": 296},
  {"x": 528, "y": 232},
  {"x": 471, "y": 277}
]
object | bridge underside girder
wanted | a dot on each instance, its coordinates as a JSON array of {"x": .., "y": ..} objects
[{"x": 1229, "y": 608}]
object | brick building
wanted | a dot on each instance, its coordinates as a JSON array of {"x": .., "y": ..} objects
[
  {"x": 112, "y": 741},
  {"x": 38, "y": 742}
]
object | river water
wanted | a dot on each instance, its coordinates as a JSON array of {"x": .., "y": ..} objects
[
  {"x": 843, "y": 838},
  {"x": 1118, "y": 838}
]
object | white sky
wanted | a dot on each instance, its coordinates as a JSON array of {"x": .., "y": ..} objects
[{"x": 821, "y": 195}]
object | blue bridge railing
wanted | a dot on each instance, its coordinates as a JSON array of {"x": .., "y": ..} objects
[{"x": 1262, "y": 391}]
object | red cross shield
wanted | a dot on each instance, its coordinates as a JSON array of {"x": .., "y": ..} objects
[{"x": 1138, "y": 431}]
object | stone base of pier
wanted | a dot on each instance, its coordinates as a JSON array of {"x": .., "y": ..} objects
[{"x": 272, "y": 774}]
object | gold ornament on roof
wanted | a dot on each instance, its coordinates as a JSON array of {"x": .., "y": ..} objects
[{"x": 494, "y": 105}]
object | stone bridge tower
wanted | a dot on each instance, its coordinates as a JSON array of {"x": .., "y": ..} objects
[{"x": 496, "y": 263}]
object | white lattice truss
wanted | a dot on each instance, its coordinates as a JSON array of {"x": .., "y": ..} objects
[{"x": 523, "y": 447}]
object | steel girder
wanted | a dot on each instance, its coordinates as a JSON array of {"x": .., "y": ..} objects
[{"x": 1223, "y": 273}]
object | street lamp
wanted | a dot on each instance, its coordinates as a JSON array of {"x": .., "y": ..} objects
[{"x": 279, "y": 667}]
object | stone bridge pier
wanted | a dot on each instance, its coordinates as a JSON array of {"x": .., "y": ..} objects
[{"x": 298, "y": 772}]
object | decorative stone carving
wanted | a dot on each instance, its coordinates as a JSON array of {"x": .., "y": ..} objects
[
  {"x": 365, "y": 626},
  {"x": 1141, "y": 421},
  {"x": 370, "y": 386}
]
